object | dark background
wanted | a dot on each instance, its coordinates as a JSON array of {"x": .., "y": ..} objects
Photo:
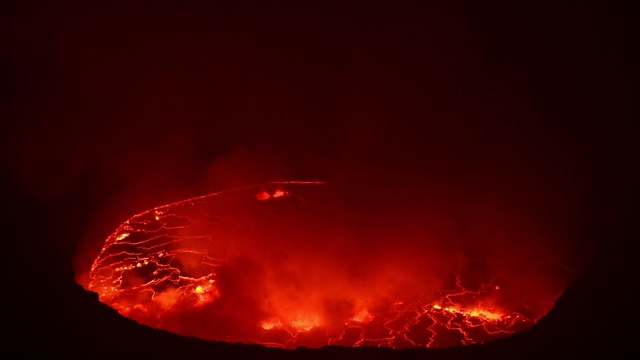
[{"x": 110, "y": 109}]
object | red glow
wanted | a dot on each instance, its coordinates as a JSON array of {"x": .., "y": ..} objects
[{"x": 287, "y": 264}]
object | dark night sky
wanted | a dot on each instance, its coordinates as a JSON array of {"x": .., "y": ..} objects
[{"x": 110, "y": 109}]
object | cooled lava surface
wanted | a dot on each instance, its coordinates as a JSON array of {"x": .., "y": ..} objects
[{"x": 289, "y": 264}]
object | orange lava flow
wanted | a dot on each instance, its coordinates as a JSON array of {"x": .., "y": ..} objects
[{"x": 286, "y": 264}]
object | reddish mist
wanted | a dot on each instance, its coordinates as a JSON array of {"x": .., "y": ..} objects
[{"x": 290, "y": 264}]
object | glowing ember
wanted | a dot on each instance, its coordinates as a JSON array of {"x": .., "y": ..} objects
[{"x": 289, "y": 264}]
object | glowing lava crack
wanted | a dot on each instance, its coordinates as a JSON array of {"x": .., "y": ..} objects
[{"x": 289, "y": 264}]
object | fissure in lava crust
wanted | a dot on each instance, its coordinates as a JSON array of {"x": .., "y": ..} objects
[{"x": 290, "y": 264}]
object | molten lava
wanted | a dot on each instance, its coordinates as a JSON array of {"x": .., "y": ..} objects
[{"x": 291, "y": 264}]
